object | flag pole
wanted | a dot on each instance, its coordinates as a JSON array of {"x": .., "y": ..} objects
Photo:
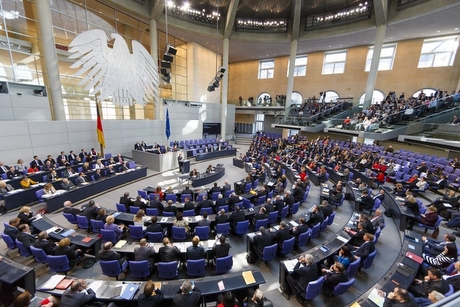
[{"x": 99, "y": 119}]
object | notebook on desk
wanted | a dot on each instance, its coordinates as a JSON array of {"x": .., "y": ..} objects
[
  {"x": 248, "y": 277},
  {"x": 51, "y": 283},
  {"x": 130, "y": 291},
  {"x": 108, "y": 291},
  {"x": 414, "y": 257},
  {"x": 375, "y": 298}
]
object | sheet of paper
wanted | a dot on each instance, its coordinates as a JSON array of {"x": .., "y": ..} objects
[
  {"x": 290, "y": 264},
  {"x": 221, "y": 285},
  {"x": 120, "y": 244},
  {"x": 95, "y": 285},
  {"x": 248, "y": 277},
  {"x": 342, "y": 239},
  {"x": 294, "y": 223}
]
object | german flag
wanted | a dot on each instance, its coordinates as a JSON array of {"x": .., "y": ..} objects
[{"x": 99, "y": 130}]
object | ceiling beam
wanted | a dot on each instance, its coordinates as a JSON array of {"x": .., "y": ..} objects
[
  {"x": 381, "y": 12},
  {"x": 157, "y": 8},
  {"x": 296, "y": 20},
  {"x": 231, "y": 15}
]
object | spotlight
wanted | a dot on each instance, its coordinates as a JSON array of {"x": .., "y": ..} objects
[
  {"x": 164, "y": 71},
  {"x": 165, "y": 102},
  {"x": 19, "y": 94},
  {"x": 167, "y": 57},
  {"x": 165, "y": 64},
  {"x": 38, "y": 92},
  {"x": 166, "y": 78},
  {"x": 221, "y": 70},
  {"x": 170, "y": 49},
  {"x": 211, "y": 88}
]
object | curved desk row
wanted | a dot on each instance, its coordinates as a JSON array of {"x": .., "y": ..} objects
[
  {"x": 402, "y": 213},
  {"x": 82, "y": 240},
  {"x": 291, "y": 175},
  {"x": 205, "y": 179},
  {"x": 401, "y": 273},
  {"x": 21, "y": 197},
  {"x": 209, "y": 286},
  {"x": 84, "y": 191},
  {"x": 333, "y": 244},
  {"x": 215, "y": 154}
]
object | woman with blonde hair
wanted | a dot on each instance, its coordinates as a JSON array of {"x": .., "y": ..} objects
[
  {"x": 119, "y": 229},
  {"x": 48, "y": 189},
  {"x": 140, "y": 219},
  {"x": 72, "y": 252},
  {"x": 25, "y": 215}
]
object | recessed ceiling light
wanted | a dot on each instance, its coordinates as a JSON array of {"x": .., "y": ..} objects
[
  {"x": 330, "y": 46},
  {"x": 438, "y": 31},
  {"x": 456, "y": 29},
  {"x": 391, "y": 37},
  {"x": 340, "y": 44}
]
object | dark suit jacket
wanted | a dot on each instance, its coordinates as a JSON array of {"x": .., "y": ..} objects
[
  {"x": 333, "y": 279},
  {"x": 279, "y": 205},
  {"x": 109, "y": 255},
  {"x": 455, "y": 282},
  {"x": 154, "y": 228},
  {"x": 221, "y": 250},
  {"x": 220, "y": 219},
  {"x": 48, "y": 246},
  {"x": 262, "y": 240},
  {"x": 281, "y": 235},
  {"x": 378, "y": 221},
  {"x": 126, "y": 201},
  {"x": 26, "y": 238},
  {"x": 170, "y": 209},
  {"x": 236, "y": 216},
  {"x": 169, "y": 253},
  {"x": 305, "y": 274},
  {"x": 76, "y": 299},
  {"x": 364, "y": 250},
  {"x": 90, "y": 212},
  {"x": 195, "y": 252},
  {"x": 191, "y": 299},
  {"x": 327, "y": 210},
  {"x": 11, "y": 231},
  {"x": 367, "y": 201},
  {"x": 300, "y": 229},
  {"x": 316, "y": 218}
]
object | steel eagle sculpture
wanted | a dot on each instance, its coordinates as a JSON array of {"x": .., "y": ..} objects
[{"x": 115, "y": 72}]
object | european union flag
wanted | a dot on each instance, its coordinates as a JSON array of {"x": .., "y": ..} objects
[{"x": 168, "y": 125}]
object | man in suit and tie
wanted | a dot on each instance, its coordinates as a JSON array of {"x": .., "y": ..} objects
[
  {"x": 126, "y": 200},
  {"x": 298, "y": 230},
  {"x": 3, "y": 168},
  {"x": 366, "y": 248},
  {"x": 366, "y": 202},
  {"x": 380, "y": 195},
  {"x": 316, "y": 216},
  {"x": 91, "y": 212},
  {"x": 378, "y": 220},
  {"x": 24, "y": 236},
  {"x": 335, "y": 275},
  {"x": 68, "y": 172},
  {"x": 82, "y": 154},
  {"x": 69, "y": 209},
  {"x": 81, "y": 179},
  {"x": 282, "y": 234},
  {"x": 205, "y": 203},
  {"x": 226, "y": 187},
  {"x": 11, "y": 229},
  {"x": 187, "y": 190},
  {"x": 262, "y": 240},
  {"x": 261, "y": 215},
  {"x": 204, "y": 220},
  {"x": 220, "y": 201},
  {"x": 170, "y": 207},
  {"x": 180, "y": 161},
  {"x": 221, "y": 217},
  {"x": 62, "y": 159},
  {"x": 188, "y": 205},
  {"x": 144, "y": 252},
  {"x": 78, "y": 294},
  {"x": 214, "y": 189},
  {"x": 107, "y": 254},
  {"x": 43, "y": 243},
  {"x": 156, "y": 203},
  {"x": 36, "y": 161},
  {"x": 435, "y": 247},
  {"x": 236, "y": 216},
  {"x": 304, "y": 272},
  {"x": 279, "y": 203},
  {"x": 71, "y": 157}
]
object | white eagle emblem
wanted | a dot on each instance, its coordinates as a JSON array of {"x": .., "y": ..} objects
[{"x": 115, "y": 71}]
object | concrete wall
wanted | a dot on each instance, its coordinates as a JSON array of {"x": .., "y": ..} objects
[
  {"x": 405, "y": 76},
  {"x": 23, "y": 140}
]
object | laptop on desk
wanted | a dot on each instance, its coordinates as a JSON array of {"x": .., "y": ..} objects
[{"x": 109, "y": 291}]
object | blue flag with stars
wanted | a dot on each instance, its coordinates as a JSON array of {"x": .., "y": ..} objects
[{"x": 168, "y": 125}]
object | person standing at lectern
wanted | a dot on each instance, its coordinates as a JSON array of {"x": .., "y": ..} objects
[{"x": 180, "y": 160}]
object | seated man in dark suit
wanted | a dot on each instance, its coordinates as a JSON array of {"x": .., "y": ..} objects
[
  {"x": 326, "y": 208},
  {"x": 11, "y": 229},
  {"x": 43, "y": 243},
  {"x": 226, "y": 187},
  {"x": 297, "y": 192},
  {"x": 454, "y": 280},
  {"x": 214, "y": 189},
  {"x": 144, "y": 252},
  {"x": 262, "y": 240},
  {"x": 316, "y": 216},
  {"x": 107, "y": 254},
  {"x": 233, "y": 200},
  {"x": 283, "y": 233},
  {"x": 369, "y": 227},
  {"x": 205, "y": 203},
  {"x": 187, "y": 190},
  {"x": 78, "y": 294},
  {"x": 126, "y": 200},
  {"x": 298, "y": 230},
  {"x": 220, "y": 202},
  {"x": 69, "y": 209},
  {"x": 289, "y": 199},
  {"x": 170, "y": 207},
  {"x": 188, "y": 205},
  {"x": 304, "y": 272},
  {"x": 432, "y": 281},
  {"x": 154, "y": 227},
  {"x": 221, "y": 217},
  {"x": 156, "y": 203},
  {"x": 366, "y": 248},
  {"x": 366, "y": 202},
  {"x": 235, "y": 217},
  {"x": 332, "y": 277},
  {"x": 222, "y": 247},
  {"x": 378, "y": 220},
  {"x": 24, "y": 236},
  {"x": 204, "y": 220},
  {"x": 66, "y": 184},
  {"x": 141, "y": 203},
  {"x": 261, "y": 215},
  {"x": 278, "y": 204},
  {"x": 196, "y": 251}
]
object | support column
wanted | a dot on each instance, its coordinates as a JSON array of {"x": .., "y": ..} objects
[
  {"x": 290, "y": 83},
  {"x": 49, "y": 59},
  {"x": 372, "y": 78},
  {"x": 154, "y": 54},
  {"x": 223, "y": 114}
]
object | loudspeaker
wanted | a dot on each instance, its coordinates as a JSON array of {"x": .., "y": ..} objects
[
  {"x": 221, "y": 70},
  {"x": 164, "y": 71},
  {"x": 211, "y": 88},
  {"x": 166, "y": 78}
]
